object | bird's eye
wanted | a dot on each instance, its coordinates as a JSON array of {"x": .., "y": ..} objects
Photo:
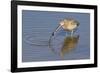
[{"x": 72, "y": 23}]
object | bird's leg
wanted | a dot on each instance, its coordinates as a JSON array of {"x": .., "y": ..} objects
[
  {"x": 72, "y": 33},
  {"x": 66, "y": 34}
]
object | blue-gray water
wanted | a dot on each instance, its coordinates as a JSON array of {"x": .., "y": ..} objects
[{"x": 37, "y": 27}]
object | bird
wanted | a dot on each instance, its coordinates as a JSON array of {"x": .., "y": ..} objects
[{"x": 68, "y": 24}]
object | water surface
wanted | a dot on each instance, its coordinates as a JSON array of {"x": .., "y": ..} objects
[{"x": 37, "y": 27}]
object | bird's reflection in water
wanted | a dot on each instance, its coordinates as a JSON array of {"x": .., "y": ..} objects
[{"x": 70, "y": 43}]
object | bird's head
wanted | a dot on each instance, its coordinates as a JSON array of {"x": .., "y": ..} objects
[{"x": 69, "y": 24}]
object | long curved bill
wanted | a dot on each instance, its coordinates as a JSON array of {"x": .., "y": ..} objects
[{"x": 58, "y": 28}]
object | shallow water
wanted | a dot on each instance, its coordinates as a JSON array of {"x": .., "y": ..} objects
[{"x": 37, "y": 27}]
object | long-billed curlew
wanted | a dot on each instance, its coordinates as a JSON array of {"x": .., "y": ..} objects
[{"x": 67, "y": 24}]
